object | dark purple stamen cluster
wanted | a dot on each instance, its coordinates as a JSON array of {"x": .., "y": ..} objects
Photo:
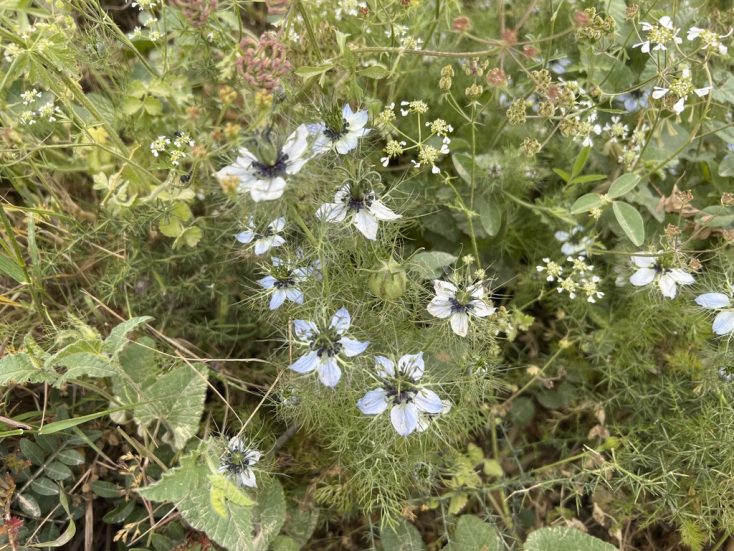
[
  {"x": 271, "y": 171},
  {"x": 456, "y": 306},
  {"x": 358, "y": 203},
  {"x": 334, "y": 135}
]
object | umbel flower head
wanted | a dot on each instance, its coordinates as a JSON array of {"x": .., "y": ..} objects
[
  {"x": 340, "y": 131},
  {"x": 724, "y": 320},
  {"x": 326, "y": 345},
  {"x": 359, "y": 202},
  {"x": 262, "y": 242},
  {"x": 237, "y": 462},
  {"x": 263, "y": 176},
  {"x": 283, "y": 282},
  {"x": 411, "y": 404},
  {"x": 458, "y": 304},
  {"x": 651, "y": 270}
]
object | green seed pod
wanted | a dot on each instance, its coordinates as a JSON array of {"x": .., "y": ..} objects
[{"x": 388, "y": 280}]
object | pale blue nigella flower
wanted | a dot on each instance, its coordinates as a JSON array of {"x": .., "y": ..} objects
[{"x": 724, "y": 320}]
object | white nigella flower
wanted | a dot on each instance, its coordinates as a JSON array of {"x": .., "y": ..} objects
[
  {"x": 572, "y": 244},
  {"x": 658, "y": 35},
  {"x": 263, "y": 242},
  {"x": 410, "y": 402},
  {"x": 284, "y": 282},
  {"x": 458, "y": 304},
  {"x": 362, "y": 206},
  {"x": 237, "y": 462},
  {"x": 724, "y": 320},
  {"x": 649, "y": 271},
  {"x": 325, "y": 346},
  {"x": 710, "y": 39},
  {"x": 342, "y": 137},
  {"x": 264, "y": 179}
]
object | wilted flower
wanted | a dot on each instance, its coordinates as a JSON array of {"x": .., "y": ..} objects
[
  {"x": 668, "y": 279},
  {"x": 363, "y": 207},
  {"x": 263, "y": 242},
  {"x": 264, "y": 178},
  {"x": 237, "y": 462},
  {"x": 263, "y": 61},
  {"x": 724, "y": 320},
  {"x": 458, "y": 304},
  {"x": 409, "y": 401},
  {"x": 325, "y": 346}
]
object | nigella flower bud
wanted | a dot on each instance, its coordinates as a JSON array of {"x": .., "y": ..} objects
[{"x": 388, "y": 281}]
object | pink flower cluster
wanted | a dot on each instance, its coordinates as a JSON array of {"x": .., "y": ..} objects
[{"x": 263, "y": 62}]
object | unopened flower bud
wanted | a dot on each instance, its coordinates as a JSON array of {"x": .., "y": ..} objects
[{"x": 388, "y": 281}]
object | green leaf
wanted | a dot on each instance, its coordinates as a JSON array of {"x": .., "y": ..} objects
[
  {"x": 82, "y": 364},
  {"x": 376, "y": 72},
  {"x": 102, "y": 488},
  {"x": 402, "y": 537},
  {"x": 29, "y": 505},
  {"x": 131, "y": 105},
  {"x": 285, "y": 543},
  {"x": 462, "y": 164},
  {"x": 32, "y": 451},
  {"x": 490, "y": 216},
  {"x": 189, "y": 237},
  {"x": 430, "y": 264},
  {"x": 623, "y": 185},
  {"x": 587, "y": 202},
  {"x": 222, "y": 490},
  {"x": 565, "y": 176},
  {"x": 57, "y": 471},
  {"x": 726, "y": 167},
  {"x": 306, "y": 72},
  {"x": 177, "y": 400},
  {"x": 70, "y": 531},
  {"x": 71, "y": 457},
  {"x": 19, "y": 369},
  {"x": 153, "y": 106},
  {"x": 119, "y": 513},
  {"x": 117, "y": 339},
  {"x": 631, "y": 222},
  {"x": 561, "y": 537},
  {"x": 172, "y": 223},
  {"x": 45, "y": 486},
  {"x": 588, "y": 178},
  {"x": 580, "y": 162},
  {"x": 473, "y": 534},
  {"x": 58, "y": 426},
  {"x": 12, "y": 269}
]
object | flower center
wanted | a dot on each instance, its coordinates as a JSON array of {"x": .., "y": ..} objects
[
  {"x": 264, "y": 170},
  {"x": 334, "y": 134},
  {"x": 285, "y": 282}
]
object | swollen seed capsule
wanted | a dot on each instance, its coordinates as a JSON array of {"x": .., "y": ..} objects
[{"x": 388, "y": 281}]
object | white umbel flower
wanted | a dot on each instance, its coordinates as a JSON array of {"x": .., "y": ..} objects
[
  {"x": 658, "y": 35},
  {"x": 364, "y": 209},
  {"x": 667, "y": 279},
  {"x": 262, "y": 242},
  {"x": 326, "y": 346},
  {"x": 410, "y": 402},
  {"x": 724, "y": 320},
  {"x": 458, "y": 304},
  {"x": 265, "y": 181},
  {"x": 344, "y": 139}
]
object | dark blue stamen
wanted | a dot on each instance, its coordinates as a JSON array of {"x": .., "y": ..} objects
[{"x": 271, "y": 171}]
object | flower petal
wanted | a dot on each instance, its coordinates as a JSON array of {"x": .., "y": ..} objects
[
  {"x": 440, "y": 307},
  {"x": 329, "y": 372},
  {"x": 332, "y": 212},
  {"x": 246, "y": 477},
  {"x": 305, "y": 330},
  {"x": 381, "y": 212},
  {"x": 460, "y": 323},
  {"x": 404, "y": 418},
  {"x": 667, "y": 285},
  {"x": 723, "y": 323},
  {"x": 341, "y": 321},
  {"x": 681, "y": 277},
  {"x": 294, "y": 294},
  {"x": 267, "y": 282},
  {"x": 412, "y": 365},
  {"x": 353, "y": 347},
  {"x": 385, "y": 367},
  {"x": 642, "y": 277},
  {"x": 428, "y": 401},
  {"x": 644, "y": 261},
  {"x": 374, "y": 402},
  {"x": 306, "y": 363},
  {"x": 366, "y": 223},
  {"x": 481, "y": 309},
  {"x": 444, "y": 288},
  {"x": 277, "y": 299},
  {"x": 713, "y": 300},
  {"x": 245, "y": 236}
]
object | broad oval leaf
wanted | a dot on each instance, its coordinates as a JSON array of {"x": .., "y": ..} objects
[
  {"x": 631, "y": 222},
  {"x": 623, "y": 185},
  {"x": 587, "y": 202},
  {"x": 556, "y": 538}
]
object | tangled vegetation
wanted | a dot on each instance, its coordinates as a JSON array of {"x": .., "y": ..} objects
[{"x": 366, "y": 274}]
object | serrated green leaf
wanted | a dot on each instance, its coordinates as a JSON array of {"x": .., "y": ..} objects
[
  {"x": 587, "y": 202},
  {"x": 222, "y": 490},
  {"x": 32, "y": 451},
  {"x": 631, "y": 221},
  {"x": 19, "y": 369},
  {"x": 561, "y": 537},
  {"x": 473, "y": 534},
  {"x": 177, "y": 400},
  {"x": 83, "y": 364},
  {"x": 117, "y": 339},
  {"x": 623, "y": 185},
  {"x": 306, "y": 72},
  {"x": 190, "y": 237},
  {"x": 401, "y": 537},
  {"x": 430, "y": 264},
  {"x": 153, "y": 106},
  {"x": 131, "y": 105}
]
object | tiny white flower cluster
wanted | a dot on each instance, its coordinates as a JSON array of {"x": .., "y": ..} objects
[
  {"x": 47, "y": 112},
  {"x": 579, "y": 277},
  {"x": 176, "y": 154}
]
